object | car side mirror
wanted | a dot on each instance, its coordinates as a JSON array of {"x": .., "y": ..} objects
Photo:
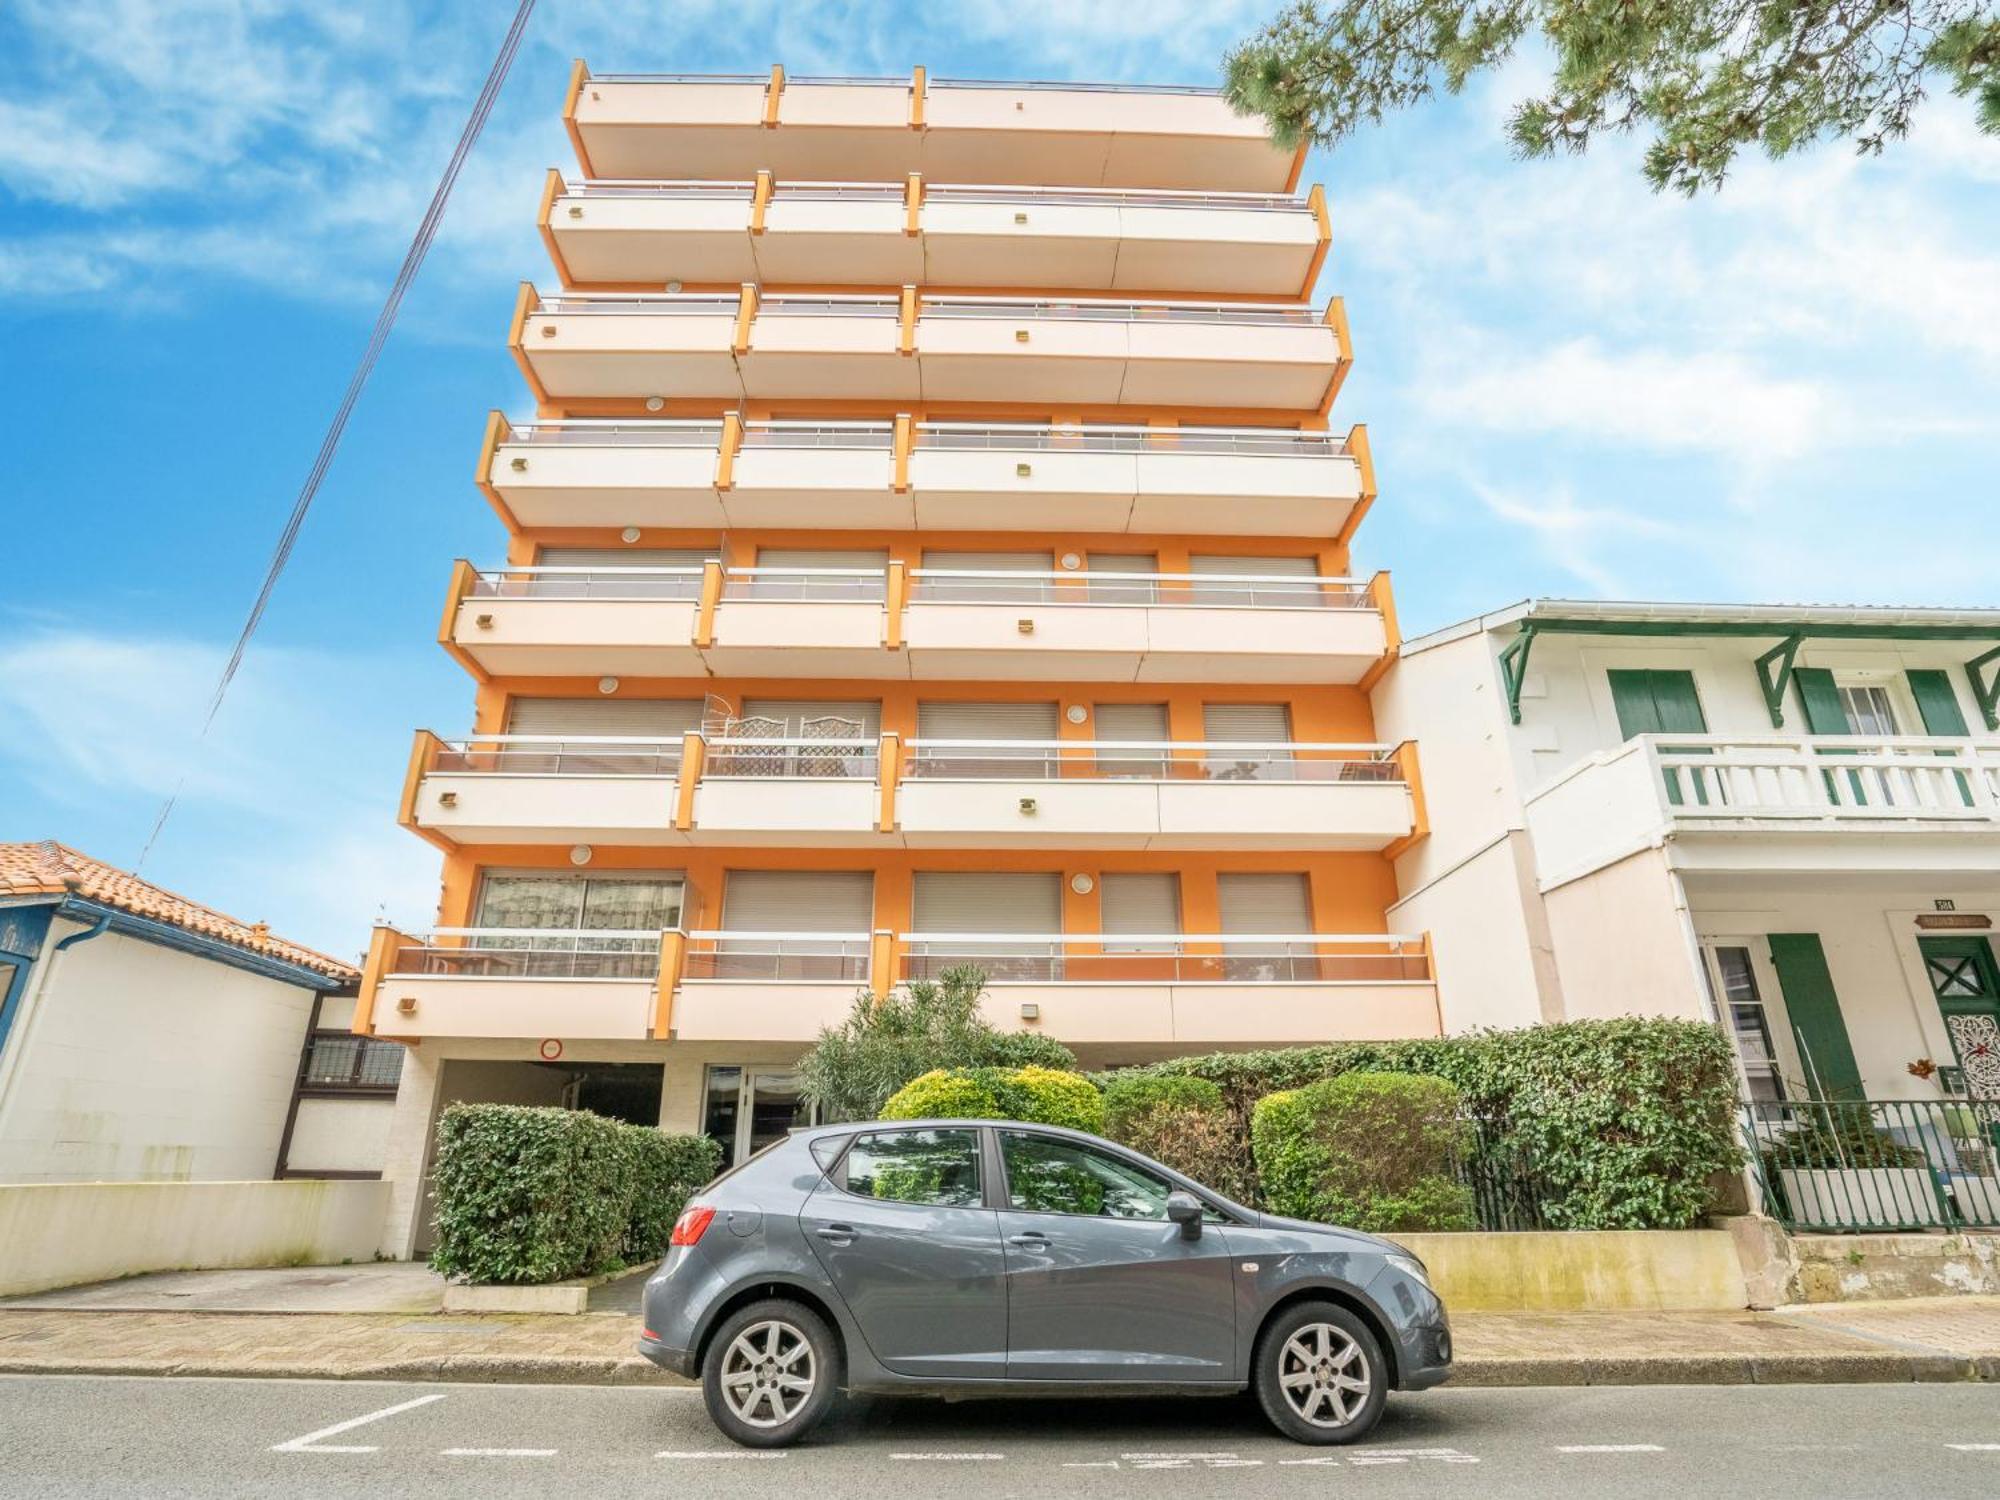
[{"x": 1185, "y": 1210}]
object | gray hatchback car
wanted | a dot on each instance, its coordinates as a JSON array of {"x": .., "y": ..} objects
[{"x": 965, "y": 1257}]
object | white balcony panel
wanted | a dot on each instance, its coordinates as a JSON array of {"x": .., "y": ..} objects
[
  {"x": 986, "y": 359},
  {"x": 1165, "y": 1015},
  {"x": 495, "y": 808},
  {"x": 608, "y": 484},
  {"x": 574, "y": 1009},
  {"x": 985, "y": 642},
  {"x": 806, "y": 487},
  {"x": 1185, "y": 493},
  {"x": 654, "y": 128},
  {"x": 1194, "y": 644},
  {"x": 756, "y": 1011},
  {"x": 801, "y": 355},
  {"x": 655, "y": 238},
  {"x": 579, "y": 637},
  {"x": 1102, "y": 813},
  {"x": 1020, "y": 244},
  {"x": 814, "y": 241},
  {"x": 1194, "y": 250},
  {"x": 1175, "y": 363},
  {"x": 805, "y": 638},
  {"x": 798, "y": 812},
  {"x": 577, "y": 354},
  {"x": 1283, "y": 814},
  {"x": 968, "y": 489}
]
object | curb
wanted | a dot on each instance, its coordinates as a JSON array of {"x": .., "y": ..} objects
[{"x": 1477, "y": 1373}]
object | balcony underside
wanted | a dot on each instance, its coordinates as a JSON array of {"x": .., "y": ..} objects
[
  {"x": 827, "y": 813},
  {"x": 1167, "y": 494},
  {"x": 944, "y": 642},
  {"x": 653, "y": 239},
  {"x": 833, "y": 132}
]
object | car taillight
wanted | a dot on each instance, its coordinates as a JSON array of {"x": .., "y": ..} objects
[{"x": 691, "y": 1225}]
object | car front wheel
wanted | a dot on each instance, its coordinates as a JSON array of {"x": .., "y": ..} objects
[
  {"x": 770, "y": 1372},
  {"x": 1320, "y": 1375}
]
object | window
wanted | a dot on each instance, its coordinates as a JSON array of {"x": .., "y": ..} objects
[
  {"x": 1737, "y": 980},
  {"x": 1050, "y": 1176},
  {"x": 1869, "y": 708},
  {"x": 1146, "y": 905},
  {"x": 567, "y": 903},
  {"x": 338, "y": 1060},
  {"x": 938, "y": 1168}
]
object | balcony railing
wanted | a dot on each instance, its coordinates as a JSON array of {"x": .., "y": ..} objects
[
  {"x": 585, "y": 432},
  {"x": 1149, "y": 590},
  {"x": 531, "y": 953},
  {"x": 807, "y": 585},
  {"x": 1827, "y": 775},
  {"x": 1107, "y": 310},
  {"x": 667, "y": 304},
  {"x": 777, "y": 957},
  {"x": 1170, "y": 958},
  {"x": 1054, "y": 197},
  {"x": 569, "y": 755},
  {"x": 799, "y": 759},
  {"x": 587, "y": 583},
  {"x": 1003, "y": 437},
  {"x": 864, "y": 435},
  {"x": 1149, "y": 760}
]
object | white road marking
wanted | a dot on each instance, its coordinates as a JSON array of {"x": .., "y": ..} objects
[
  {"x": 948, "y": 1458},
  {"x": 722, "y": 1453},
  {"x": 1974, "y": 1447},
  {"x": 1612, "y": 1448},
  {"x": 1102, "y": 1463},
  {"x": 310, "y": 1443},
  {"x": 498, "y": 1452}
]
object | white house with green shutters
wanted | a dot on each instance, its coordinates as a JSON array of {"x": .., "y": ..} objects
[{"x": 1784, "y": 818}]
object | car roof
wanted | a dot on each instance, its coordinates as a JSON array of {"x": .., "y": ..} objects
[{"x": 856, "y": 1127}]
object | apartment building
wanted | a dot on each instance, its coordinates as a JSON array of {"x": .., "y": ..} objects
[
  {"x": 931, "y": 546},
  {"x": 1784, "y": 818}
]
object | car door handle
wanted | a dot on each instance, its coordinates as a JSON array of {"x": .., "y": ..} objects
[
  {"x": 839, "y": 1234},
  {"x": 1030, "y": 1241}
]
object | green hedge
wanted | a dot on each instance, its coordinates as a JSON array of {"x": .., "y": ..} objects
[
  {"x": 1046, "y": 1096},
  {"x": 538, "y": 1195},
  {"x": 1624, "y": 1122},
  {"x": 1375, "y": 1151},
  {"x": 1184, "y": 1122}
]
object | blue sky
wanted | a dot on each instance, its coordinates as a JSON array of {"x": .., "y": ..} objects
[{"x": 1790, "y": 391}]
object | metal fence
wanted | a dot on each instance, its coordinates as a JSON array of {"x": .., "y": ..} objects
[
  {"x": 1507, "y": 1192},
  {"x": 1857, "y": 1165}
]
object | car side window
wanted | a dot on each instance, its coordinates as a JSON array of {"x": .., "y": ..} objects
[
  {"x": 1050, "y": 1176},
  {"x": 935, "y": 1167}
]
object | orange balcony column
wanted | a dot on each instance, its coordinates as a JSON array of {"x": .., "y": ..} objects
[
  {"x": 746, "y": 311},
  {"x": 673, "y": 962},
  {"x": 898, "y": 599},
  {"x": 694, "y": 753},
  {"x": 913, "y": 204},
  {"x": 711, "y": 597},
  {"x": 1420, "y": 824},
  {"x": 497, "y": 428},
  {"x": 906, "y": 342},
  {"x": 889, "y": 773},
  {"x": 385, "y": 947},
  {"x": 525, "y": 303},
  {"x": 1316, "y": 201},
  {"x": 1364, "y": 460},
  {"x": 917, "y": 90},
  {"x": 760, "y": 200},
  {"x": 579, "y": 75},
  {"x": 905, "y": 440},
  {"x": 1336, "y": 319},
  {"x": 885, "y": 957},
  {"x": 463, "y": 577},
  {"x": 552, "y": 187},
  {"x": 1383, "y": 598},
  {"x": 773, "y": 93},
  {"x": 730, "y": 445}
]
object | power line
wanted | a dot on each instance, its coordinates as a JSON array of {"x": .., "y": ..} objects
[{"x": 385, "y": 320}]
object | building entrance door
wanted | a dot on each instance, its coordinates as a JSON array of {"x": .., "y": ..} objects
[
  {"x": 748, "y": 1108},
  {"x": 1966, "y": 982}
]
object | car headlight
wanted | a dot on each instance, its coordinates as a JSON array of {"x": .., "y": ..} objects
[{"x": 1411, "y": 1267}]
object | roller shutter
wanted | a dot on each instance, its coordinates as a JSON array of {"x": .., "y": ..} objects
[
  {"x": 822, "y": 557},
  {"x": 1131, "y": 721},
  {"x": 987, "y": 721},
  {"x": 1254, "y": 567},
  {"x": 1246, "y": 723},
  {"x": 841, "y": 901},
  {"x": 1138, "y": 903},
  {"x": 968, "y": 901},
  {"x": 1253, "y": 904},
  {"x": 992, "y": 562},
  {"x": 669, "y": 718},
  {"x": 1113, "y": 592},
  {"x": 1266, "y": 595},
  {"x": 609, "y": 583}
]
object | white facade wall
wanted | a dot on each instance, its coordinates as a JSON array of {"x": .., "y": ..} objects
[
  {"x": 132, "y": 1062},
  {"x": 340, "y": 1135}
]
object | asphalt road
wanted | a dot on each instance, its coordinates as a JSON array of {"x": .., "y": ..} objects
[{"x": 90, "y": 1436}]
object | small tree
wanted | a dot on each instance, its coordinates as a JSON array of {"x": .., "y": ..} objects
[
  {"x": 1708, "y": 77},
  {"x": 854, "y": 1067}
]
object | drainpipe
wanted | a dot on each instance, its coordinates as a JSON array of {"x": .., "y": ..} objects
[{"x": 31, "y": 1005}]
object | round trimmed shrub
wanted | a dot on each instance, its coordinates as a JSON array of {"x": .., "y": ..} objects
[
  {"x": 1184, "y": 1122},
  {"x": 1044, "y": 1096},
  {"x": 1371, "y": 1151}
]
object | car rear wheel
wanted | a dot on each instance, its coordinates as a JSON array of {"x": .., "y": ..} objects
[
  {"x": 770, "y": 1373},
  {"x": 1319, "y": 1374}
]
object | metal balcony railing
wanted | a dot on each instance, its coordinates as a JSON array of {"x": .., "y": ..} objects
[
  {"x": 617, "y": 187},
  {"x": 588, "y": 583},
  {"x": 569, "y": 755},
  {"x": 797, "y": 759},
  {"x": 1107, "y": 310},
  {"x": 860, "y": 305},
  {"x": 686, "y": 304},
  {"x": 531, "y": 953},
  {"x": 1165, "y": 958},
  {"x": 866, "y": 435},
  {"x": 1189, "y": 590},
  {"x": 587, "y": 432},
  {"x": 1000, "y": 437},
  {"x": 1148, "y": 760},
  {"x": 767, "y": 957},
  {"x": 807, "y": 585},
  {"x": 1059, "y": 197}
]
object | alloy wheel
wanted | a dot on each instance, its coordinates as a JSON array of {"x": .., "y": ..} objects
[
  {"x": 1324, "y": 1375},
  {"x": 768, "y": 1373}
]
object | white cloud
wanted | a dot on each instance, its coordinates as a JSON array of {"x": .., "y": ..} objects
[{"x": 1574, "y": 536}]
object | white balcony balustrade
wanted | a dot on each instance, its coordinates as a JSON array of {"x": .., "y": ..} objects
[
  {"x": 920, "y": 233},
  {"x": 519, "y": 982},
  {"x": 560, "y": 621},
  {"x": 507, "y": 788},
  {"x": 937, "y": 476},
  {"x": 767, "y": 986},
  {"x": 1786, "y": 795}
]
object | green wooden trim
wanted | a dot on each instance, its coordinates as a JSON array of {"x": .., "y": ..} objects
[
  {"x": 1820, "y": 697},
  {"x": 1514, "y": 668},
  {"x": 1937, "y": 705},
  {"x": 1780, "y": 657},
  {"x": 1882, "y": 632},
  {"x": 1813, "y": 1007},
  {"x": 1985, "y": 690}
]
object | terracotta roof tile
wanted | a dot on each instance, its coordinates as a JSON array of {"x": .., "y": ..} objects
[{"x": 49, "y": 868}]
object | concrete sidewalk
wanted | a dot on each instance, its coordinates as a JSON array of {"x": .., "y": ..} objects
[{"x": 1943, "y": 1339}]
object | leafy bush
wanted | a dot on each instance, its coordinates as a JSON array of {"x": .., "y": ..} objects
[
  {"x": 1623, "y": 1121},
  {"x": 1044, "y": 1096},
  {"x": 1184, "y": 1122},
  {"x": 667, "y": 1170},
  {"x": 853, "y": 1068},
  {"x": 1373, "y": 1151},
  {"x": 536, "y": 1195}
]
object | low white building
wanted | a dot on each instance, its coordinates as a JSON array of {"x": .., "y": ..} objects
[
  {"x": 1785, "y": 818},
  {"x": 145, "y": 1038}
]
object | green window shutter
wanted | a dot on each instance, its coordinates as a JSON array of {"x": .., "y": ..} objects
[
  {"x": 1825, "y": 714},
  {"x": 1936, "y": 702},
  {"x": 1814, "y": 1010},
  {"x": 1632, "y": 696},
  {"x": 1656, "y": 702}
]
